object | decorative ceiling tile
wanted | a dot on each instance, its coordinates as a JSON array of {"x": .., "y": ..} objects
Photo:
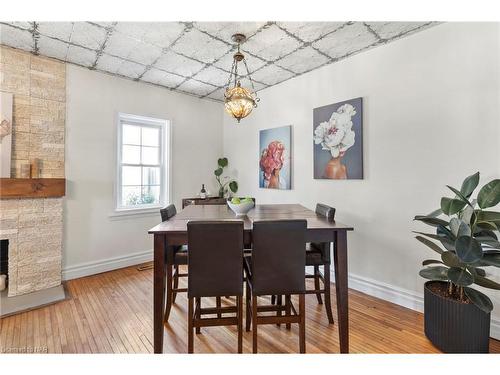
[
  {"x": 103, "y": 24},
  {"x": 303, "y": 60},
  {"x": 81, "y": 56},
  {"x": 195, "y": 87},
  {"x": 131, "y": 69},
  {"x": 88, "y": 35},
  {"x": 59, "y": 30},
  {"x": 174, "y": 63},
  {"x": 260, "y": 86},
  {"x": 271, "y": 43},
  {"x": 22, "y": 25},
  {"x": 226, "y": 61},
  {"x": 347, "y": 40},
  {"x": 245, "y": 82},
  {"x": 161, "y": 77},
  {"x": 271, "y": 75},
  {"x": 200, "y": 46},
  {"x": 389, "y": 30},
  {"x": 225, "y": 30},
  {"x": 167, "y": 53},
  {"x": 109, "y": 63},
  {"x": 17, "y": 38},
  {"x": 52, "y": 47},
  {"x": 218, "y": 94},
  {"x": 213, "y": 76},
  {"x": 121, "y": 45},
  {"x": 130, "y": 48},
  {"x": 310, "y": 31},
  {"x": 160, "y": 34},
  {"x": 145, "y": 54}
]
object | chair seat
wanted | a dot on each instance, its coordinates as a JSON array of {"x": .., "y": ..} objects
[
  {"x": 314, "y": 257},
  {"x": 181, "y": 255}
]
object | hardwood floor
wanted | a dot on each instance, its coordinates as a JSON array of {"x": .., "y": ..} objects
[{"x": 112, "y": 313}]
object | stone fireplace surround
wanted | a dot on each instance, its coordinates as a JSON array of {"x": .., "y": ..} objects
[
  {"x": 34, "y": 227},
  {"x": 34, "y": 230}
]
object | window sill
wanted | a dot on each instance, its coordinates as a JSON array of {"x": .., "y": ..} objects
[{"x": 134, "y": 212}]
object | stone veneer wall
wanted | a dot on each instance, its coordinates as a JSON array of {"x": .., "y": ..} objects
[{"x": 34, "y": 227}]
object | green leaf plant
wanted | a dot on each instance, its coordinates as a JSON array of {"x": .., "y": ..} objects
[
  {"x": 466, "y": 240},
  {"x": 225, "y": 183}
]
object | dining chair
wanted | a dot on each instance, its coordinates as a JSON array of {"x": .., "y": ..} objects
[
  {"x": 276, "y": 267},
  {"x": 215, "y": 270},
  {"x": 173, "y": 267},
  {"x": 317, "y": 255},
  {"x": 179, "y": 258}
]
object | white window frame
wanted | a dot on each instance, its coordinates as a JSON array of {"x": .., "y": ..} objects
[{"x": 165, "y": 165}]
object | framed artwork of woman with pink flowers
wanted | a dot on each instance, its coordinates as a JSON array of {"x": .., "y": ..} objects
[
  {"x": 275, "y": 158},
  {"x": 338, "y": 140}
]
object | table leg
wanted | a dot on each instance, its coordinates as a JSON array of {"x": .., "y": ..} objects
[
  {"x": 340, "y": 264},
  {"x": 159, "y": 291}
]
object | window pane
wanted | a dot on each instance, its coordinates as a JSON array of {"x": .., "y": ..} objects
[
  {"x": 131, "y": 134},
  {"x": 141, "y": 162},
  {"x": 150, "y": 155},
  {"x": 131, "y": 176},
  {"x": 150, "y": 194},
  {"x": 151, "y": 176},
  {"x": 131, "y": 195},
  {"x": 150, "y": 136},
  {"x": 131, "y": 154}
]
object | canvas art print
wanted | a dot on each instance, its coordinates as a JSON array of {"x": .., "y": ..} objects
[
  {"x": 5, "y": 133},
  {"x": 275, "y": 158},
  {"x": 338, "y": 140}
]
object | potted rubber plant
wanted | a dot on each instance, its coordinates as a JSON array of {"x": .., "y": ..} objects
[
  {"x": 224, "y": 182},
  {"x": 464, "y": 235}
]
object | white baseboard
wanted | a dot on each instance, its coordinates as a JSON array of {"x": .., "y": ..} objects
[
  {"x": 104, "y": 265},
  {"x": 387, "y": 292},
  {"x": 375, "y": 288},
  {"x": 400, "y": 296}
]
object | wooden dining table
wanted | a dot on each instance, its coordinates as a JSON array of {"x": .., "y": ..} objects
[{"x": 174, "y": 232}]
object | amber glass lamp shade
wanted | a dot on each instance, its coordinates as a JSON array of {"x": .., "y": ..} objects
[{"x": 239, "y": 102}]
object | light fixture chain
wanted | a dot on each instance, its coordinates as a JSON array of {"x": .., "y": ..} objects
[
  {"x": 235, "y": 72},
  {"x": 230, "y": 75},
  {"x": 251, "y": 80}
]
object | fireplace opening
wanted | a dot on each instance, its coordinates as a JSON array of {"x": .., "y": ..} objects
[{"x": 4, "y": 258}]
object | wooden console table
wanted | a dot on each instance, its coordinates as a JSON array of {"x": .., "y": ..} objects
[{"x": 201, "y": 201}]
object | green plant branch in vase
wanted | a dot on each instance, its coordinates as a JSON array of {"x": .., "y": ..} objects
[
  {"x": 465, "y": 237},
  {"x": 225, "y": 183}
]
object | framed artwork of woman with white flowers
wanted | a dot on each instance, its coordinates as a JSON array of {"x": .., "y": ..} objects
[{"x": 338, "y": 140}]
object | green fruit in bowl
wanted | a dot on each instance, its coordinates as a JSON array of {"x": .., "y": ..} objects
[
  {"x": 235, "y": 200},
  {"x": 246, "y": 200}
]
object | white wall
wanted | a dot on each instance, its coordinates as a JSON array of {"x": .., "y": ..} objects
[
  {"x": 94, "y": 241},
  {"x": 431, "y": 117}
]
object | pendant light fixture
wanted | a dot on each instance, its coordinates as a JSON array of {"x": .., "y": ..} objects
[{"x": 239, "y": 101}]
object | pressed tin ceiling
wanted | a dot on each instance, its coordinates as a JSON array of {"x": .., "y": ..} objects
[{"x": 195, "y": 57}]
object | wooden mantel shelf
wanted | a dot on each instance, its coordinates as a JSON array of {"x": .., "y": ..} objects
[{"x": 32, "y": 187}]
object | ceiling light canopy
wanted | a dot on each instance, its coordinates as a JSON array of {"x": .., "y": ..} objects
[{"x": 239, "y": 101}]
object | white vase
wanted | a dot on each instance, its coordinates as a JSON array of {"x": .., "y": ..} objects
[{"x": 2, "y": 282}]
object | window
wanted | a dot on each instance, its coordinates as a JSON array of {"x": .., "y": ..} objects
[{"x": 143, "y": 168}]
